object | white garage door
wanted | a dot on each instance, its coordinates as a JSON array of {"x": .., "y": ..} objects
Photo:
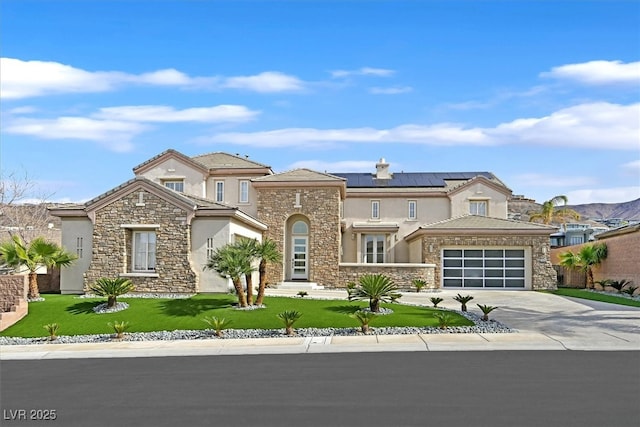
[{"x": 483, "y": 268}]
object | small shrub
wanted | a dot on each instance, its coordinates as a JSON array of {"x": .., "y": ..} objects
[
  {"x": 629, "y": 290},
  {"x": 376, "y": 288},
  {"x": 52, "y": 330},
  {"x": 119, "y": 328},
  {"x": 289, "y": 317},
  {"x": 444, "y": 319},
  {"x": 435, "y": 301},
  {"x": 217, "y": 324},
  {"x": 619, "y": 284},
  {"x": 302, "y": 294},
  {"x": 112, "y": 288},
  {"x": 351, "y": 286},
  {"x": 419, "y": 284},
  {"x": 463, "y": 300},
  {"x": 365, "y": 318},
  {"x": 603, "y": 284},
  {"x": 486, "y": 309}
]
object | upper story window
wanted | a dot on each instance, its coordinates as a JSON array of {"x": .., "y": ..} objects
[
  {"x": 175, "y": 185},
  {"x": 375, "y": 209},
  {"x": 243, "y": 197},
  {"x": 478, "y": 207},
  {"x": 220, "y": 191},
  {"x": 412, "y": 207},
  {"x": 144, "y": 251}
]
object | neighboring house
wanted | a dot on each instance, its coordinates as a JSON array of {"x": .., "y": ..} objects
[
  {"x": 450, "y": 229},
  {"x": 573, "y": 233}
]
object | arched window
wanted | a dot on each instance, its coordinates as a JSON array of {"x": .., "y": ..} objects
[{"x": 300, "y": 227}]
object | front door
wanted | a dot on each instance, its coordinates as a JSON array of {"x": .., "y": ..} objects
[{"x": 300, "y": 257}]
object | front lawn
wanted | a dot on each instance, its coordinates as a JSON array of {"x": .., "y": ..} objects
[
  {"x": 596, "y": 296},
  {"x": 76, "y": 317}
]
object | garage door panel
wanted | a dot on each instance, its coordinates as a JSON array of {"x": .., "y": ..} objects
[{"x": 484, "y": 268}]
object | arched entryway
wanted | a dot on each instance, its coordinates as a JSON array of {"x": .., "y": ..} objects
[{"x": 297, "y": 248}]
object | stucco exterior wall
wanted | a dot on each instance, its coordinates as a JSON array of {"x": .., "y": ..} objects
[
  {"x": 623, "y": 258},
  {"x": 174, "y": 169},
  {"x": 496, "y": 200},
  {"x": 539, "y": 271},
  {"x": 232, "y": 192},
  {"x": 73, "y": 229},
  {"x": 321, "y": 207},
  {"x": 112, "y": 256}
]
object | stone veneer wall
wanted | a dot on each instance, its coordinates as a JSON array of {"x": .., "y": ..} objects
[
  {"x": 401, "y": 275},
  {"x": 321, "y": 206},
  {"x": 112, "y": 248},
  {"x": 13, "y": 299},
  {"x": 543, "y": 275}
]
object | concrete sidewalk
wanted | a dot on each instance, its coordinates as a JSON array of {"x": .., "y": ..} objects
[{"x": 543, "y": 321}]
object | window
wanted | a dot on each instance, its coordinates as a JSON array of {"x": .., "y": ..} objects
[
  {"x": 478, "y": 207},
  {"x": 79, "y": 244},
  {"x": 374, "y": 248},
  {"x": 576, "y": 240},
  {"x": 413, "y": 209},
  {"x": 220, "y": 191},
  {"x": 300, "y": 227},
  {"x": 177, "y": 185},
  {"x": 375, "y": 209},
  {"x": 144, "y": 251},
  {"x": 210, "y": 248},
  {"x": 244, "y": 191}
]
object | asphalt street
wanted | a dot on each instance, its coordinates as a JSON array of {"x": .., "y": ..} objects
[{"x": 469, "y": 388}]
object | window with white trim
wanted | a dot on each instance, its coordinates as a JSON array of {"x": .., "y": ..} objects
[
  {"x": 373, "y": 248},
  {"x": 478, "y": 207},
  {"x": 219, "y": 191},
  {"x": 79, "y": 246},
  {"x": 412, "y": 207},
  {"x": 175, "y": 185},
  {"x": 144, "y": 251},
  {"x": 244, "y": 191},
  {"x": 375, "y": 209},
  {"x": 211, "y": 248}
]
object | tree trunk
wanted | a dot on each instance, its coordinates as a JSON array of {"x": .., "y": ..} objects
[
  {"x": 485, "y": 317},
  {"x": 464, "y": 307},
  {"x": 249, "y": 280},
  {"x": 590, "y": 284},
  {"x": 242, "y": 300},
  {"x": 33, "y": 286},
  {"x": 289, "y": 330},
  {"x": 263, "y": 282},
  {"x": 111, "y": 301},
  {"x": 374, "y": 305},
  {"x": 364, "y": 329}
]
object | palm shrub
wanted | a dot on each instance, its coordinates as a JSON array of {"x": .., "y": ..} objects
[
  {"x": 112, "y": 288},
  {"x": 486, "y": 309},
  {"x": 218, "y": 324},
  {"x": 232, "y": 262},
  {"x": 52, "y": 330},
  {"x": 619, "y": 284},
  {"x": 365, "y": 318},
  {"x": 289, "y": 317},
  {"x": 588, "y": 257},
  {"x": 629, "y": 290},
  {"x": 444, "y": 319},
  {"x": 419, "y": 284},
  {"x": 435, "y": 301},
  {"x": 267, "y": 252},
  {"x": 376, "y": 288},
  {"x": 119, "y": 328},
  {"x": 603, "y": 283},
  {"x": 463, "y": 300}
]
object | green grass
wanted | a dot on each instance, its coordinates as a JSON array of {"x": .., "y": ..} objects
[
  {"x": 76, "y": 317},
  {"x": 595, "y": 296}
]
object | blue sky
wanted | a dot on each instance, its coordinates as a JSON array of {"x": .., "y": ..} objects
[{"x": 544, "y": 94}]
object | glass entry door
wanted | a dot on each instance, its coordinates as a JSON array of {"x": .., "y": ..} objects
[{"x": 300, "y": 255}]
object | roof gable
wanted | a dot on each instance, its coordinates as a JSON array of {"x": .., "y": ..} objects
[
  {"x": 164, "y": 156},
  {"x": 220, "y": 160}
]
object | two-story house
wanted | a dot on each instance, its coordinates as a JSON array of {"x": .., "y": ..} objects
[{"x": 159, "y": 228}]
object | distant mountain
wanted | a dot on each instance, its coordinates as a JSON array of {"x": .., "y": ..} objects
[{"x": 519, "y": 207}]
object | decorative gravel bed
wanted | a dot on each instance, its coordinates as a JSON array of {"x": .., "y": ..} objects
[{"x": 479, "y": 327}]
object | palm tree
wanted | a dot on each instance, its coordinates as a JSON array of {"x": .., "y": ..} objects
[
  {"x": 249, "y": 247},
  {"x": 376, "y": 288},
  {"x": 112, "y": 288},
  {"x": 548, "y": 212},
  {"x": 268, "y": 252},
  {"x": 39, "y": 252},
  {"x": 588, "y": 257},
  {"x": 231, "y": 262}
]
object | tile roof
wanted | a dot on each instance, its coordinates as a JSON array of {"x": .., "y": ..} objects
[
  {"x": 485, "y": 222},
  {"x": 296, "y": 175},
  {"x": 409, "y": 179},
  {"x": 220, "y": 160}
]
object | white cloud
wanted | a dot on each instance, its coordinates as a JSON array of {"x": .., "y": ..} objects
[
  {"x": 632, "y": 166},
  {"x": 161, "y": 113},
  {"x": 114, "y": 135},
  {"x": 25, "y": 79},
  {"x": 267, "y": 82},
  {"x": 364, "y": 71},
  {"x": 604, "y": 195},
  {"x": 23, "y": 110},
  {"x": 597, "y": 72},
  {"x": 340, "y": 166},
  {"x": 390, "y": 90}
]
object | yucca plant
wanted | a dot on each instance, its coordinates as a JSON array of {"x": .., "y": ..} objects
[
  {"x": 119, "y": 328},
  {"x": 463, "y": 300},
  {"x": 619, "y": 284},
  {"x": 435, "y": 301},
  {"x": 486, "y": 309},
  {"x": 629, "y": 290},
  {"x": 418, "y": 284},
  {"x": 52, "y": 330},
  {"x": 112, "y": 288},
  {"x": 218, "y": 325},
  {"x": 289, "y": 317},
  {"x": 376, "y": 288},
  {"x": 365, "y": 318},
  {"x": 444, "y": 319}
]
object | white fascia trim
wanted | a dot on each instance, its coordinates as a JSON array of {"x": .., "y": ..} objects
[
  {"x": 141, "y": 226},
  {"x": 385, "y": 264}
]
